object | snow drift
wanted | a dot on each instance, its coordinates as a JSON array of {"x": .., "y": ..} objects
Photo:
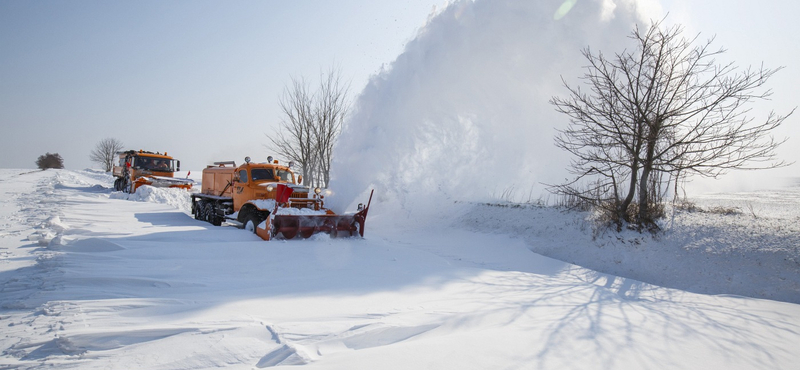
[{"x": 146, "y": 193}]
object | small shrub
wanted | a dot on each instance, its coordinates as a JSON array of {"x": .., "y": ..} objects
[
  {"x": 727, "y": 211},
  {"x": 687, "y": 206},
  {"x": 572, "y": 201},
  {"x": 49, "y": 160}
]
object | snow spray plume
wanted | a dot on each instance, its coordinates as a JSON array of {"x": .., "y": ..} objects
[{"x": 463, "y": 114}]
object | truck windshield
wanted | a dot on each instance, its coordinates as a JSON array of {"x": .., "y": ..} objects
[
  {"x": 262, "y": 174},
  {"x": 154, "y": 164},
  {"x": 286, "y": 176}
]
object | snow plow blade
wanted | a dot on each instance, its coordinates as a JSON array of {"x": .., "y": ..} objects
[
  {"x": 291, "y": 226},
  {"x": 164, "y": 182}
]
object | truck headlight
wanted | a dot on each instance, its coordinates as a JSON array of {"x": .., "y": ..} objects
[
  {"x": 317, "y": 190},
  {"x": 270, "y": 188}
]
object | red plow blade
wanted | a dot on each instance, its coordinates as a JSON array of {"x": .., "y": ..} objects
[{"x": 291, "y": 226}]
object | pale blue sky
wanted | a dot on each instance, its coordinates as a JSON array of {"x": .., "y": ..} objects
[{"x": 201, "y": 79}]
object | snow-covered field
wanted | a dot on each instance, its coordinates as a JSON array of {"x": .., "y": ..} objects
[{"x": 93, "y": 279}]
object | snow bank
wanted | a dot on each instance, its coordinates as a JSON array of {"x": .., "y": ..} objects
[
  {"x": 463, "y": 113},
  {"x": 178, "y": 198},
  {"x": 98, "y": 175},
  {"x": 716, "y": 248}
]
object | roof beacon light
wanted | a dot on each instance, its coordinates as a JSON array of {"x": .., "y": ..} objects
[
  {"x": 269, "y": 159},
  {"x": 247, "y": 160}
]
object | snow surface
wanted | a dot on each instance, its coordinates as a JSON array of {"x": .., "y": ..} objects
[{"x": 90, "y": 281}]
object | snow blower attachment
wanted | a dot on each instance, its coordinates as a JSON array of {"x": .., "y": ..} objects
[
  {"x": 137, "y": 168},
  {"x": 264, "y": 199},
  {"x": 289, "y": 225}
]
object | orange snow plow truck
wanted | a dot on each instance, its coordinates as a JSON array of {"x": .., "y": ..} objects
[
  {"x": 137, "y": 168},
  {"x": 266, "y": 199}
]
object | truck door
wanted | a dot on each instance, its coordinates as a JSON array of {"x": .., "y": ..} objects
[{"x": 238, "y": 189}]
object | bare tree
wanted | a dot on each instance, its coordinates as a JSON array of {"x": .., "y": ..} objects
[
  {"x": 49, "y": 160},
  {"x": 294, "y": 139},
  {"x": 105, "y": 152},
  {"x": 312, "y": 123},
  {"x": 330, "y": 110},
  {"x": 666, "y": 108}
]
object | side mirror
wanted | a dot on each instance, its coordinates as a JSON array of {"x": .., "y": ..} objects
[
  {"x": 299, "y": 179},
  {"x": 179, "y": 166}
]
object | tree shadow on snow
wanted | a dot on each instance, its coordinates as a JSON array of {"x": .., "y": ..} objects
[{"x": 614, "y": 322}]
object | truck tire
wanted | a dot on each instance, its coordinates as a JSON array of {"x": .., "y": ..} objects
[
  {"x": 252, "y": 221},
  {"x": 205, "y": 212},
  {"x": 198, "y": 210},
  {"x": 211, "y": 215},
  {"x": 126, "y": 185}
]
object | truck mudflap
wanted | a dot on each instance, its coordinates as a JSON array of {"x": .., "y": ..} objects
[{"x": 291, "y": 226}]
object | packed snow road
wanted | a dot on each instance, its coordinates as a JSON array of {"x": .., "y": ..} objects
[{"x": 94, "y": 282}]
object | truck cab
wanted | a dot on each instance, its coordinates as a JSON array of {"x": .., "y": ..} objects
[
  {"x": 239, "y": 192},
  {"x": 257, "y": 181},
  {"x": 137, "y": 168}
]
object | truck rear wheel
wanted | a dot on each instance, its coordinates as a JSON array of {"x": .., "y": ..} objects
[
  {"x": 203, "y": 211},
  {"x": 211, "y": 215},
  {"x": 198, "y": 210}
]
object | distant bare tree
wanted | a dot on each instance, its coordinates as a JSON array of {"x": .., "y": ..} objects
[
  {"x": 49, "y": 160},
  {"x": 312, "y": 123},
  {"x": 105, "y": 152},
  {"x": 666, "y": 108}
]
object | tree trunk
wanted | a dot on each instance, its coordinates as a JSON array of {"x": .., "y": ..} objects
[
  {"x": 622, "y": 209},
  {"x": 647, "y": 167}
]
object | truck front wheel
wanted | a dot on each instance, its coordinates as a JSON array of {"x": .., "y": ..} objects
[{"x": 252, "y": 221}]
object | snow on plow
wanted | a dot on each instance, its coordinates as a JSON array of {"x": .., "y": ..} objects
[{"x": 289, "y": 226}]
